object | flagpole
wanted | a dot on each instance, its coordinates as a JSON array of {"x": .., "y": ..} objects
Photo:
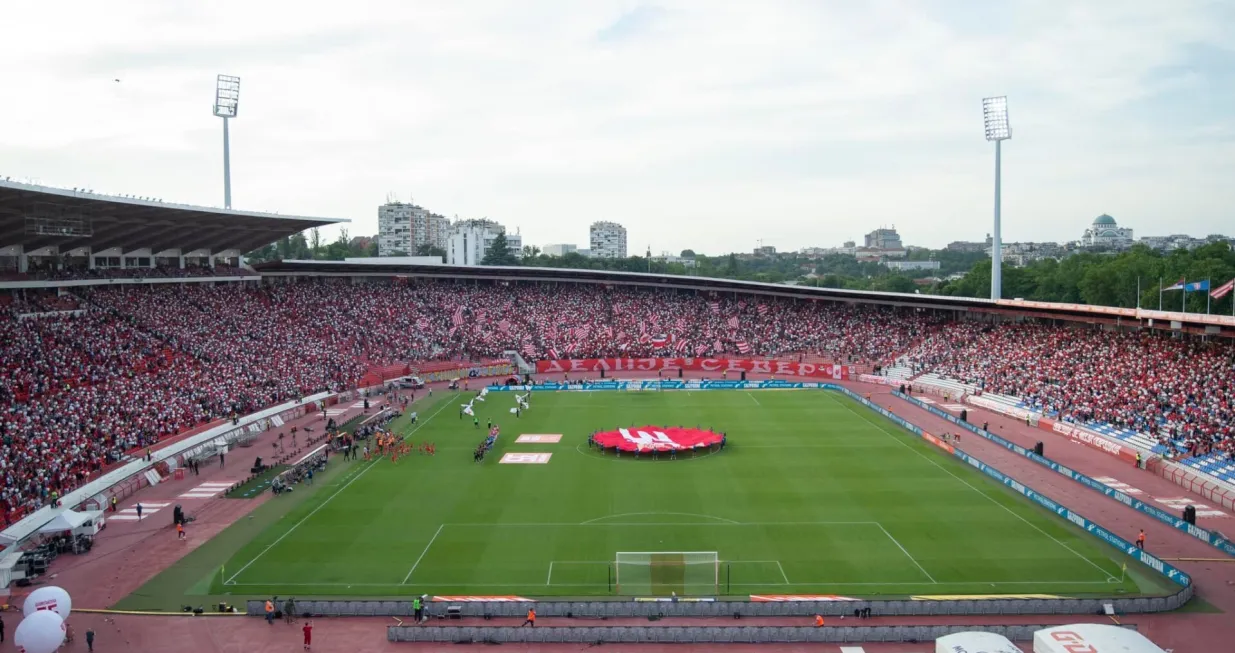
[
  {"x": 1160, "y": 281},
  {"x": 1207, "y": 283},
  {"x": 1138, "y": 292}
]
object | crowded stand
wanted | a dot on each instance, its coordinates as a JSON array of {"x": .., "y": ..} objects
[
  {"x": 1181, "y": 392},
  {"x": 131, "y": 365},
  {"x": 55, "y": 272}
]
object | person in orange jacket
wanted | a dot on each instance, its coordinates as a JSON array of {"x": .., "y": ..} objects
[{"x": 818, "y": 621}]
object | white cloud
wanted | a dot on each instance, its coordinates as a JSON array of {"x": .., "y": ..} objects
[{"x": 697, "y": 124}]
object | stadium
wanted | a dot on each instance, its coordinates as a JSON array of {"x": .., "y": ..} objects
[{"x": 191, "y": 442}]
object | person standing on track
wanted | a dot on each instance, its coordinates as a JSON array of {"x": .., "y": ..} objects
[
  {"x": 531, "y": 618},
  {"x": 1140, "y": 540},
  {"x": 307, "y": 629}
]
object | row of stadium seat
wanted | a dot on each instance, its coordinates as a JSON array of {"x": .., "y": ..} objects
[{"x": 143, "y": 363}]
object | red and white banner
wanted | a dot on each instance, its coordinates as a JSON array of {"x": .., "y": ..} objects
[
  {"x": 714, "y": 365},
  {"x": 1091, "y": 439},
  {"x": 656, "y": 438},
  {"x": 879, "y": 380}
]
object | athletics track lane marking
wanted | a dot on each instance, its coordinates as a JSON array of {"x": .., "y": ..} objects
[
  {"x": 231, "y": 581},
  {"x": 970, "y": 486}
]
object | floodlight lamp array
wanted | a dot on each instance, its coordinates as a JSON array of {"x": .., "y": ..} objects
[
  {"x": 227, "y": 96},
  {"x": 995, "y": 117}
]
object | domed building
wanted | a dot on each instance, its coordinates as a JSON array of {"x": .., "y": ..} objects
[{"x": 1105, "y": 232}]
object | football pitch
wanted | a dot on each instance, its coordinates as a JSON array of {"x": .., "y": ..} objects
[{"x": 813, "y": 494}]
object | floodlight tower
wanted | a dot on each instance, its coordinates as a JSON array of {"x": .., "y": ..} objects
[
  {"x": 995, "y": 115},
  {"x": 226, "y": 103}
]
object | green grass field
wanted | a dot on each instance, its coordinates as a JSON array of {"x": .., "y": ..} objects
[{"x": 814, "y": 494}]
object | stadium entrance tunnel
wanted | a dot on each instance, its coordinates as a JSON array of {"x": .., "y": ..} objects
[{"x": 657, "y": 442}]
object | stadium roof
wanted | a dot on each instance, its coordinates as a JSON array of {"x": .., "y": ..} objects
[
  {"x": 1195, "y": 322},
  {"x": 34, "y": 217}
]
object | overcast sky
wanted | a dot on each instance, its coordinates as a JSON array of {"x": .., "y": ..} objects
[{"x": 710, "y": 125}]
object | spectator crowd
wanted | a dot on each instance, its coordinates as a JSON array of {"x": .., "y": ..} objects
[
  {"x": 130, "y": 365},
  {"x": 1173, "y": 389}
]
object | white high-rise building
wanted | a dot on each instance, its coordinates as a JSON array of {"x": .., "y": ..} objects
[
  {"x": 608, "y": 240},
  {"x": 469, "y": 241},
  {"x": 403, "y": 228}
]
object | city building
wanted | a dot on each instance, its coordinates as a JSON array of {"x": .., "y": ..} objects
[
  {"x": 666, "y": 257},
  {"x": 608, "y": 240},
  {"x": 848, "y": 249},
  {"x": 904, "y": 266},
  {"x": 970, "y": 246},
  {"x": 765, "y": 250},
  {"x": 469, "y": 241},
  {"x": 559, "y": 250},
  {"x": 884, "y": 238},
  {"x": 402, "y": 228},
  {"x": 1105, "y": 232},
  {"x": 1180, "y": 241}
]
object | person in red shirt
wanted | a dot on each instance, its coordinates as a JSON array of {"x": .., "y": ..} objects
[{"x": 308, "y": 634}]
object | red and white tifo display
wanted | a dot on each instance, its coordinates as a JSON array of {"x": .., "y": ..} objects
[{"x": 657, "y": 438}]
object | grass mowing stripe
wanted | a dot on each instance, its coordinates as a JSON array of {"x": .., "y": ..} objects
[
  {"x": 975, "y": 489},
  {"x": 230, "y": 581},
  {"x": 522, "y": 521},
  {"x": 426, "y": 550}
]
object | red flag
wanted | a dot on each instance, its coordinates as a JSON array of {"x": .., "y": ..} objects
[
  {"x": 733, "y": 322},
  {"x": 1223, "y": 290}
]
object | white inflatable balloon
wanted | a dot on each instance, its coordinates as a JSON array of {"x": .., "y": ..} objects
[
  {"x": 48, "y": 598},
  {"x": 41, "y": 632}
]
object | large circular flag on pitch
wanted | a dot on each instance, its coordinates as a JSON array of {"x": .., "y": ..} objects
[{"x": 656, "y": 438}]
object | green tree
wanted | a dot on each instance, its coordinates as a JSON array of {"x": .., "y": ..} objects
[
  {"x": 427, "y": 249},
  {"x": 499, "y": 253}
]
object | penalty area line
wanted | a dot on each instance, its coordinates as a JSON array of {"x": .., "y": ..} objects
[
  {"x": 422, "y": 553},
  {"x": 752, "y": 398},
  {"x": 232, "y": 580}
]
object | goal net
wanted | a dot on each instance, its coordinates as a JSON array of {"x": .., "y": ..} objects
[{"x": 661, "y": 573}]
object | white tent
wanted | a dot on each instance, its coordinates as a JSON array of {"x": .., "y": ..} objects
[
  {"x": 1102, "y": 638},
  {"x": 975, "y": 642},
  {"x": 69, "y": 520}
]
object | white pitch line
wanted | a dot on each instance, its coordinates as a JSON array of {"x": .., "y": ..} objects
[
  {"x": 323, "y": 504},
  {"x": 907, "y": 554},
  {"x": 797, "y": 584},
  {"x": 549, "y": 578},
  {"x": 752, "y": 398},
  {"x": 422, "y": 553},
  {"x": 970, "y": 486},
  {"x": 782, "y": 572}
]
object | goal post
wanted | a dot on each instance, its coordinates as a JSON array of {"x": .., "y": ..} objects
[{"x": 663, "y": 573}]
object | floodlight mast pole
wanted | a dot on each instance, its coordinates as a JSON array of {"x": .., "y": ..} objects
[
  {"x": 995, "y": 117},
  {"x": 226, "y": 104}
]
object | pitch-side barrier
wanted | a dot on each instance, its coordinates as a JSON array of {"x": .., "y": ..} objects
[
  {"x": 593, "y": 635},
  {"x": 480, "y": 606},
  {"x": 1213, "y": 539}
]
